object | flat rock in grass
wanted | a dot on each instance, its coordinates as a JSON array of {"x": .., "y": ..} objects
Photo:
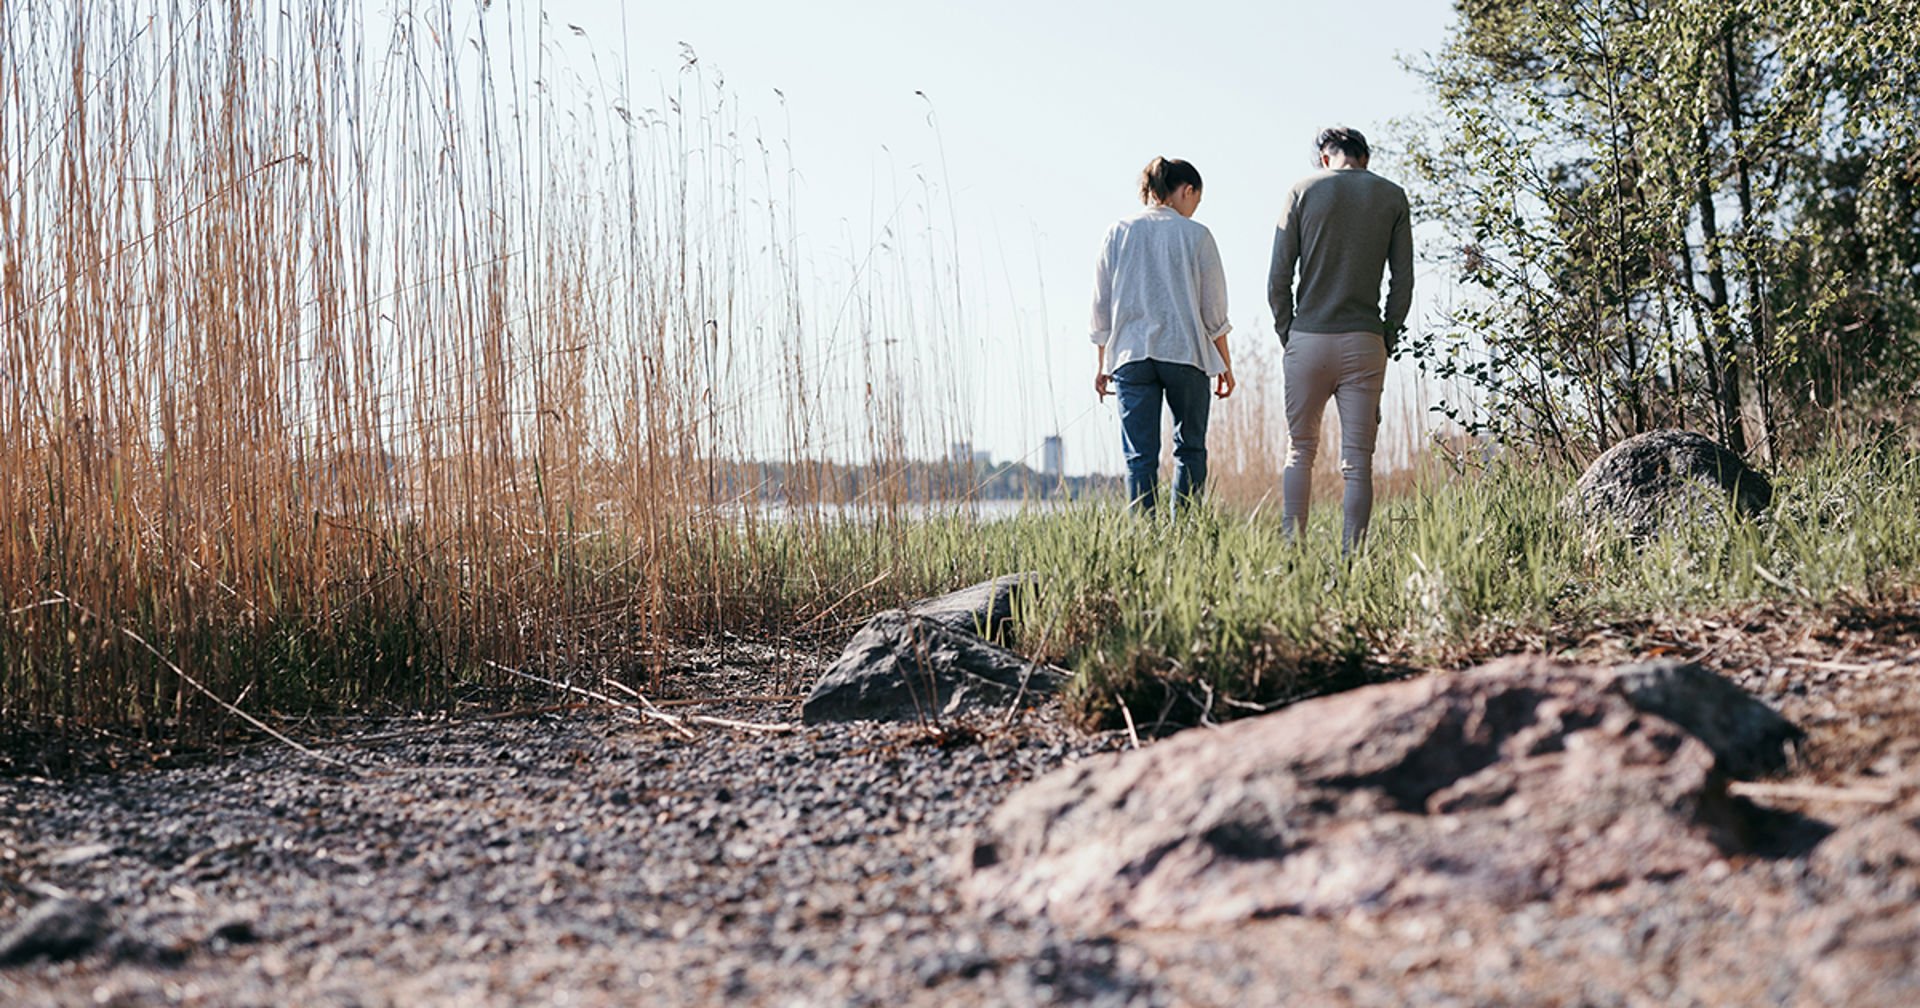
[
  {"x": 936, "y": 658},
  {"x": 903, "y": 667},
  {"x": 984, "y": 610},
  {"x": 56, "y": 930},
  {"x": 1505, "y": 784},
  {"x": 1654, "y": 481}
]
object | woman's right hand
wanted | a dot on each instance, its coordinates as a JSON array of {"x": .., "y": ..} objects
[{"x": 1102, "y": 384}]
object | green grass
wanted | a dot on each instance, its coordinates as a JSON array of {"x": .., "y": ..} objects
[{"x": 1221, "y": 616}]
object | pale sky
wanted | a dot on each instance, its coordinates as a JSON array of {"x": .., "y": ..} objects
[{"x": 1046, "y": 111}]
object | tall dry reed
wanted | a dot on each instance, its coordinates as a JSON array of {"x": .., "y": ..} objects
[
  {"x": 350, "y": 357},
  {"x": 343, "y": 360}
]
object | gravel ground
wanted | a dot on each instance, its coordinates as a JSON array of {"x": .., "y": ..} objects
[
  {"x": 576, "y": 857},
  {"x": 582, "y": 857}
]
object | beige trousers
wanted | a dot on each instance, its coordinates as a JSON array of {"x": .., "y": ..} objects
[{"x": 1351, "y": 369}]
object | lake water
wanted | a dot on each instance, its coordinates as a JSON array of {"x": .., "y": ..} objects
[{"x": 979, "y": 510}]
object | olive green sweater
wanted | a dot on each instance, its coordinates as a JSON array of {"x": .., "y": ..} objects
[{"x": 1342, "y": 228}]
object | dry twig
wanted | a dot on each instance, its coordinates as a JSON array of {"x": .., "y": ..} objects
[
  {"x": 744, "y": 698},
  {"x": 202, "y": 687},
  {"x": 1786, "y": 791},
  {"x": 648, "y": 711},
  {"x": 1133, "y": 736},
  {"x": 718, "y": 722},
  {"x": 768, "y": 729}
]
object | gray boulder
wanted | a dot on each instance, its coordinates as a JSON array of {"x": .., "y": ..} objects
[
  {"x": 1654, "y": 481},
  {"x": 1506, "y": 784},
  {"x": 933, "y": 660},
  {"x": 984, "y": 610}
]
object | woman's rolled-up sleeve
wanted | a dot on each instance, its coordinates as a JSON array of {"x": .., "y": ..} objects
[
  {"x": 1100, "y": 327},
  {"x": 1213, "y": 289}
]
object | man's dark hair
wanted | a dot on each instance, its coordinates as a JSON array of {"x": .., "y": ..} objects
[
  {"x": 1341, "y": 140},
  {"x": 1163, "y": 175}
]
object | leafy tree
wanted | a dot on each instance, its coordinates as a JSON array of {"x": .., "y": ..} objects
[{"x": 1675, "y": 213}]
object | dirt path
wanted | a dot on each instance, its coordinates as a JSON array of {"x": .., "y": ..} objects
[{"x": 577, "y": 857}]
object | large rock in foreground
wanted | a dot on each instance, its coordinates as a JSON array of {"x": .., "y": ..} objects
[
  {"x": 1504, "y": 784},
  {"x": 936, "y": 659},
  {"x": 56, "y": 930},
  {"x": 1654, "y": 481}
]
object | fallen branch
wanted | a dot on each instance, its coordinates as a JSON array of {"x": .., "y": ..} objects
[
  {"x": 1133, "y": 736},
  {"x": 1812, "y": 793},
  {"x": 1835, "y": 666},
  {"x": 749, "y": 698},
  {"x": 42, "y": 604},
  {"x": 720, "y": 722},
  {"x": 637, "y": 695},
  {"x": 201, "y": 687},
  {"x": 647, "y": 711}
]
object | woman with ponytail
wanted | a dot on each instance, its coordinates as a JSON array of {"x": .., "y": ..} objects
[{"x": 1160, "y": 326}]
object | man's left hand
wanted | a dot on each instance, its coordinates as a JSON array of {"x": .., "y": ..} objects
[{"x": 1223, "y": 385}]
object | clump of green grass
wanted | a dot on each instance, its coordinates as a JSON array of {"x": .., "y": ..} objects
[
  {"x": 1842, "y": 530},
  {"x": 1219, "y": 616}
]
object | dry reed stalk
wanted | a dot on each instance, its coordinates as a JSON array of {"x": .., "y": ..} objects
[
  {"x": 342, "y": 361},
  {"x": 1247, "y": 441}
]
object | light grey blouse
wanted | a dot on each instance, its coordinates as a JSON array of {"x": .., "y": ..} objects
[{"x": 1160, "y": 292}]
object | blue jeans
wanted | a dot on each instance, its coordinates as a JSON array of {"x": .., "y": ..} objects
[{"x": 1142, "y": 385}]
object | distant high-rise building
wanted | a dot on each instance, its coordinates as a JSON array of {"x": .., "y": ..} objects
[
  {"x": 960, "y": 453},
  {"x": 983, "y": 459},
  {"x": 1053, "y": 457}
]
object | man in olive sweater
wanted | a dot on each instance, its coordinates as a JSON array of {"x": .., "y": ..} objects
[{"x": 1341, "y": 229}]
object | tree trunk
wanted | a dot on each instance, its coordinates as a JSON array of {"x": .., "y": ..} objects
[
  {"x": 1635, "y": 394},
  {"x": 1757, "y": 333},
  {"x": 1717, "y": 343}
]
